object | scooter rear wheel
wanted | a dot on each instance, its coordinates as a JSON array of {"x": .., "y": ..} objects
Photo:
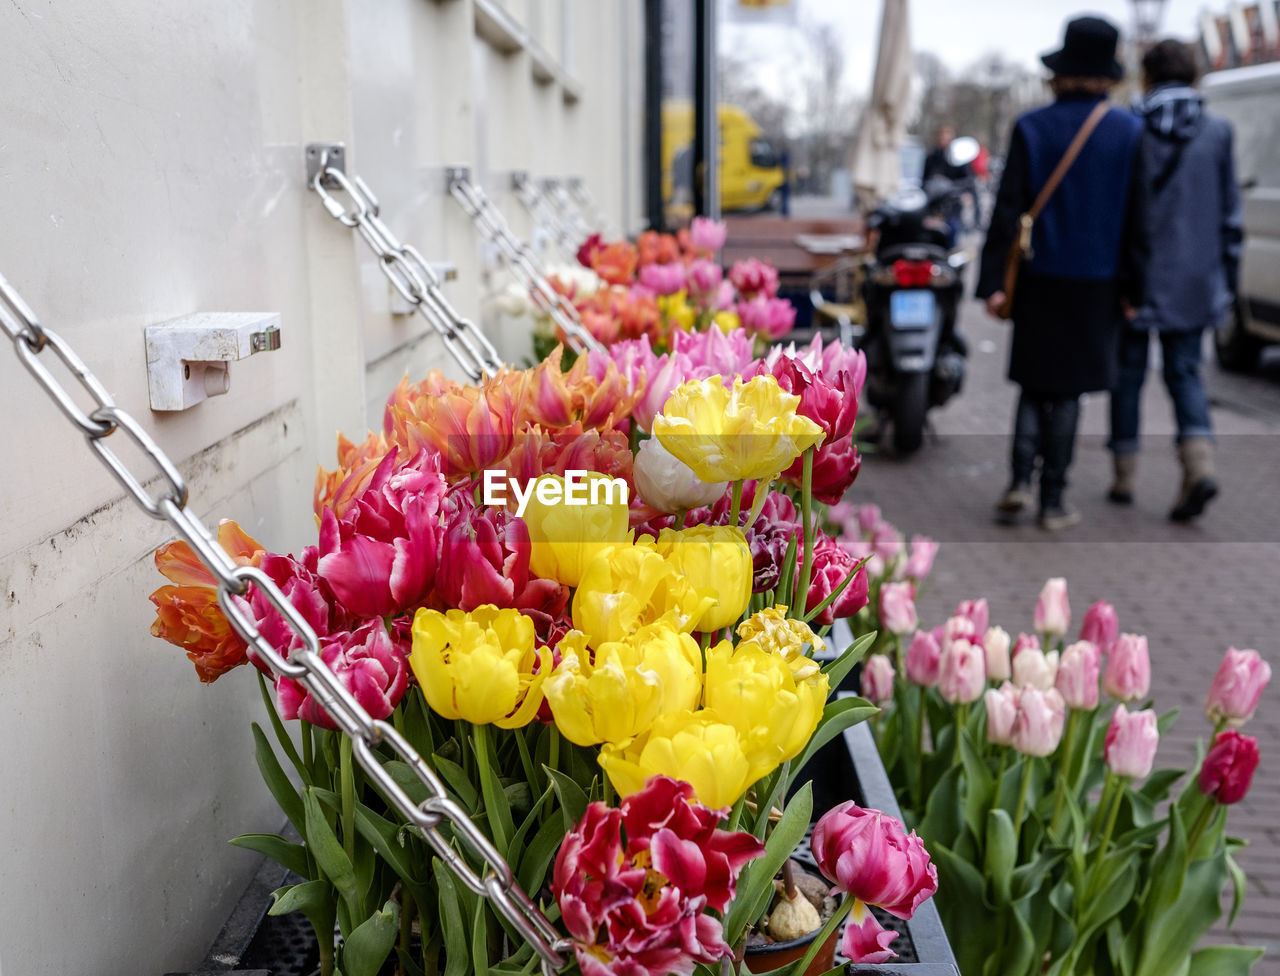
[{"x": 910, "y": 401}]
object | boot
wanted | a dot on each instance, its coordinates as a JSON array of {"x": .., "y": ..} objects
[
  {"x": 1126, "y": 468},
  {"x": 1198, "y": 485}
]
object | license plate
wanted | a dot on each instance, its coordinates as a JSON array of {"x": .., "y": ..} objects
[{"x": 912, "y": 309}]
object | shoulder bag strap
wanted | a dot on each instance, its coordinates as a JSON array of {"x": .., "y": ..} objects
[{"x": 1069, "y": 157}]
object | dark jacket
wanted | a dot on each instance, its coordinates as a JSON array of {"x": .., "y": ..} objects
[
  {"x": 937, "y": 164},
  {"x": 1191, "y": 213},
  {"x": 1086, "y": 247}
]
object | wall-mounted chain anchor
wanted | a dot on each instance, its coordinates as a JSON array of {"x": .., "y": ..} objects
[
  {"x": 413, "y": 279},
  {"x": 188, "y": 358},
  {"x": 493, "y": 227}
]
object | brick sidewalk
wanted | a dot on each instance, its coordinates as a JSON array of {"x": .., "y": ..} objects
[{"x": 1192, "y": 590}]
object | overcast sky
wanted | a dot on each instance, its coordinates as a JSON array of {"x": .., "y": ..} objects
[{"x": 959, "y": 31}]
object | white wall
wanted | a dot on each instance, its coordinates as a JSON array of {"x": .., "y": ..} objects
[{"x": 151, "y": 166}]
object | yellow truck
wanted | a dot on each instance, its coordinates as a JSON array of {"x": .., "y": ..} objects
[{"x": 751, "y": 170}]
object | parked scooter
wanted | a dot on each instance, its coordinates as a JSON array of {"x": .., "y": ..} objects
[{"x": 911, "y": 287}]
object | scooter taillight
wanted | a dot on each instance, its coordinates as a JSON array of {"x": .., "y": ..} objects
[{"x": 913, "y": 274}]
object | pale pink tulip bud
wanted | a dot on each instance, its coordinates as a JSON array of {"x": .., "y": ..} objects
[
  {"x": 877, "y": 679},
  {"x": 1237, "y": 687},
  {"x": 897, "y": 608},
  {"x": 868, "y": 518},
  {"x": 957, "y": 627},
  {"x": 996, "y": 644},
  {"x": 1053, "y": 612},
  {"x": 1037, "y": 728},
  {"x": 1033, "y": 668},
  {"x": 977, "y": 613},
  {"x": 920, "y": 560},
  {"x": 1078, "y": 673},
  {"x": 1002, "y": 709},
  {"x": 1128, "y": 674},
  {"x": 1024, "y": 642},
  {"x": 1131, "y": 742},
  {"x": 923, "y": 656},
  {"x": 1100, "y": 626},
  {"x": 962, "y": 672}
]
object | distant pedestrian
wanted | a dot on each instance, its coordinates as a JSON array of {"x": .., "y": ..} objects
[
  {"x": 938, "y": 166},
  {"x": 1083, "y": 260},
  {"x": 1193, "y": 229}
]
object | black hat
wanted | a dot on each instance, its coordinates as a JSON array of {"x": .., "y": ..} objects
[{"x": 1088, "y": 50}]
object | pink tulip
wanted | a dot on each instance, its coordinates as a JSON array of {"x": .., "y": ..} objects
[
  {"x": 704, "y": 280},
  {"x": 380, "y": 558},
  {"x": 753, "y": 277},
  {"x": 865, "y": 940},
  {"x": 897, "y": 608},
  {"x": 1131, "y": 742},
  {"x": 771, "y": 318},
  {"x": 835, "y": 468},
  {"x": 707, "y": 235},
  {"x": 957, "y": 628},
  {"x": 1035, "y": 669},
  {"x": 1002, "y": 710},
  {"x": 310, "y": 595},
  {"x": 871, "y": 858},
  {"x": 920, "y": 558},
  {"x": 829, "y": 361},
  {"x": 877, "y": 679},
  {"x": 995, "y": 643},
  {"x": 869, "y": 518},
  {"x": 1100, "y": 626},
  {"x": 831, "y": 565},
  {"x": 1025, "y": 642},
  {"x": 1237, "y": 687},
  {"x": 962, "y": 672},
  {"x": 887, "y": 542},
  {"x": 1128, "y": 674},
  {"x": 366, "y": 661},
  {"x": 1228, "y": 768},
  {"x": 977, "y": 613},
  {"x": 923, "y": 659},
  {"x": 1078, "y": 675},
  {"x": 712, "y": 352},
  {"x": 1053, "y": 612},
  {"x": 663, "y": 279},
  {"x": 1037, "y": 727}
]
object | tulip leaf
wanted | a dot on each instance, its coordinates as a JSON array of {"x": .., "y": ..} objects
[
  {"x": 458, "y": 780},
  {"x": 573, "y": 801},
  {"x": 1224, "y": 960},
  {"x": 287, "y": 855},
  {"x": 1000, "y": 855},
  {"x": 1171, "y": 934},
  {"x": 964, "y": 910},
  {"x": 1238, "y": 885},
  {"x": 370, "y": 942},
  {"x": 1160, "y": 783},
  {"x": 384, "y": 837},
  {"x": 979, "y": 784},
  {"x": 537, "y": 856},
  {"x": 755, "y": 883},
  {"x": 942, "y": 822},
  {"x": 841, "y": 714},
  {"x": 1028, "y": 878},
  {"x": 282, "y": 790},
  {"x": 836, "y": 669},
  {"x": 457, "y": 952},
  {"x": 286, "y": 743},
  {"x": 314, "y": 899},
  {"x": 480, "y": 939},
  {"x": 328, "y": 852}
]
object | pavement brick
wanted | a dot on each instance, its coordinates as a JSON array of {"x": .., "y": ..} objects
[{"x": 1193, "y": 590}]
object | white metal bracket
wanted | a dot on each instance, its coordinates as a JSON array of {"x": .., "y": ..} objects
[{"x": 187, "y": 358}]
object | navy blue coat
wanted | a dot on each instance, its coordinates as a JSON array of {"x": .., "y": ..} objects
[
  {"x": 1191, "y": 213},
  {"x": 1087, "y": 247}
]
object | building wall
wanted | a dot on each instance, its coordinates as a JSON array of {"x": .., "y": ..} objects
[{"x": 151, "y": 166}]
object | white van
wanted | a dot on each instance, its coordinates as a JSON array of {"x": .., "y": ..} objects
[{"x": 1249, "y": 98}]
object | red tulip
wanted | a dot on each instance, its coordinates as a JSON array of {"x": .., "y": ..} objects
[
  {"x": 367, "y": 661},
  {"x": 1228, "y": 769},
  {"x": 754, "y": 277},
  {"x": 831, "y": 565}
]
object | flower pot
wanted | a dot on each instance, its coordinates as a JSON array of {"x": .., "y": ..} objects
[{"x": 763, "y": 957}]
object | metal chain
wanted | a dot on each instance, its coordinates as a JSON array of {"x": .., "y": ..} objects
[
  {"x": 493, "y": 226},
  {"x": 595, "y": 218},
  {"x": 544, "y": 215},
  {"x": 405, "y": 268},
  {"x": 564, "y": 206},
  {"x": 495, "y": 880}
]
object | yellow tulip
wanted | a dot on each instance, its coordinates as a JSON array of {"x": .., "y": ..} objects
[
  {"x": 716, "y": 558},
  {"x": 774, "y": 631},
  {"x": 620, "y": 690},
  {"x": 478, "y": 666},
  {"x": 627, "y": 586},
  {"x": 749, "y": 431},
  {"x": 727, "y": 321},
  {"x": 757, "y": 692},
  {"x": 677, "y": 311},
  {"x": 701, "y": 748},
  {"x": 565, "y": 536}
]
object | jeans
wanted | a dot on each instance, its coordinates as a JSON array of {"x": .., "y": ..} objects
[
  {"x": 1181, "y": 354},
  {"x": 1045, "y": 427}
]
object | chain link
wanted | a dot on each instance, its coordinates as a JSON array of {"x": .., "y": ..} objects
[
  {"x": 301, "y": 660},
  {"x": 406, "y": 270},
  {"x": 493, "y": 226}
]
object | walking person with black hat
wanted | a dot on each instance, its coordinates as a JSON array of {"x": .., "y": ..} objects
[
  {"x": 1063, "y": 254},
  {"x": 1193, "y": 229}
]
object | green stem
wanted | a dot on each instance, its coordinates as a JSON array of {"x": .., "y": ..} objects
[
  {"x": 914, "y": 780},
  {"x": 1106, "y": 835},
  {"x": 553, "y": 750},
  {"x": 347, "y": 772},
  {"x": 962, "y": 717},
  {"x": 406, "y": 924},
  {"x": 681, "y": 516},
  {"x": 487, "y": 779},
  {"x": 1004, "y": 761},
  {"x": 833, "y": 923},
  {"x": 806, "y": 510},
  {"x": 1023, "y": 786},
  {"x": 1068, "y": 745},
  {"x": 1207, "y": 811},
  {"x": 735, "y": 503},
  {"x": 308, "y": 748}
]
